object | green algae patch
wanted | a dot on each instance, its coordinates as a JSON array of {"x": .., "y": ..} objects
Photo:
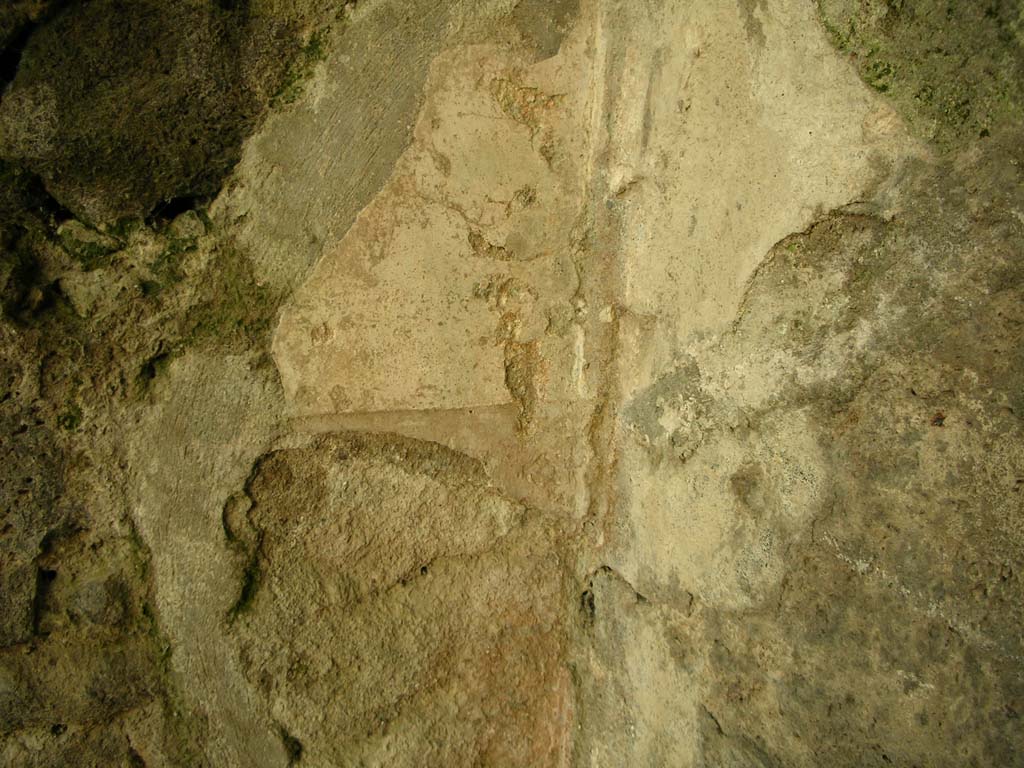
[
  {"x": 954, "y": 69},
  {"x": 235, "y": 310},
  {"x": 301, "y": 69},
  {"x": 92, "y": 249},
  {"x": 71, "y": 418}
]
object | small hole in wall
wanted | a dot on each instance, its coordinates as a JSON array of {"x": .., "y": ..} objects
[
  {"x": 169, "y": 210},
  {"x": 151, "y": 368},
  {"x": 44, "y": 578},
  {"x": 292, "y": 746},
  {"x": 588, "y": 605}
]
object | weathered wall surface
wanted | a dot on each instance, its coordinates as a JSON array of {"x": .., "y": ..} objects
[{"x": 575, "y": 383}]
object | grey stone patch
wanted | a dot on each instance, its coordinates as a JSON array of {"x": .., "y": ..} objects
[
  {"x": 544, "y": 23},
  {"x": 750, "y": 9},
  {"x": 675, "y": 397}
]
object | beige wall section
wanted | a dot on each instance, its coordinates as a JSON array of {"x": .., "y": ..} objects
[
  {"x": 737, "y": 129},
  {"x": 733, "y": 125},
  {"x": 463, "y": 257},
  {"x": 521, "y": 259},
  {"x": 451, "y": 310},
  {"x": 591, "y": 222}
]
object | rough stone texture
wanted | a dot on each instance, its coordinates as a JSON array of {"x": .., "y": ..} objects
[
  {"x": 511, "y": 383},
  {"x": 192, "y": 75},
  {"x": 953, "y": 68},
  {"x": 367, "y": 550}
]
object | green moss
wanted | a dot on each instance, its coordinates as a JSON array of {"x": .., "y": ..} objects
[
  {"x": 235, "y": 311},
  {"x": 840, "y": 34},
  {"x": 879, "y": 75},
  {"x": 165, "y": 269},
  {"x": 90, "y": 254},
  {"x": 70, "y": 418},
  {"x": 123, "y": 228},
  {"x": 311, "y": 54},
  {"x": 955, "y": 70}
]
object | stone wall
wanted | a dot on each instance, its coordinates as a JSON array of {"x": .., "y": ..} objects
[{"x": 570, "y": 383}]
